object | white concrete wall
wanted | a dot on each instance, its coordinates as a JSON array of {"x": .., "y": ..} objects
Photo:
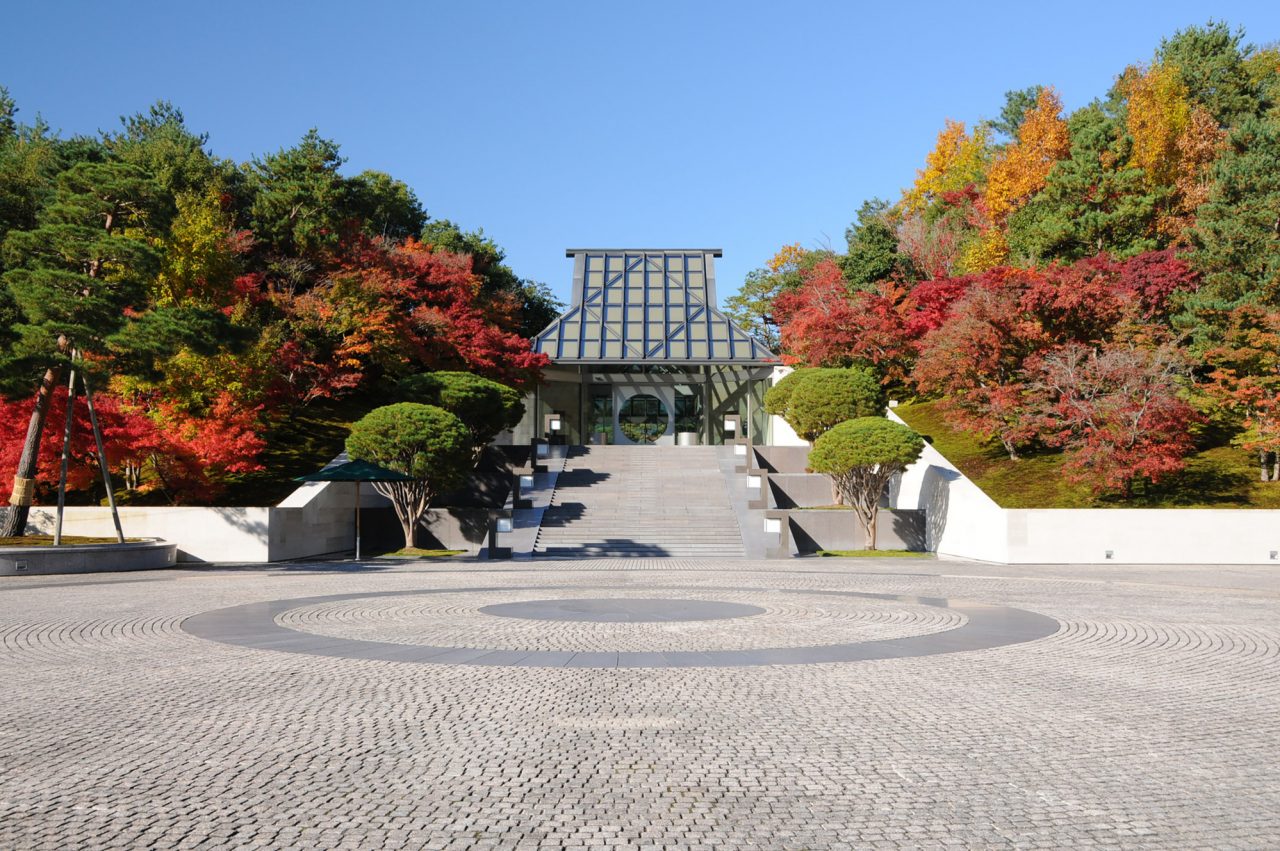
[
  {"x": 779, "y": 433},
  {"x": 960, "y": 519},
  {"x": 202, "y": 534},
  {"x": 316, "y": 519},
  {"x": 963, "y": 522},
  {"x": 1144, "y": 536}
]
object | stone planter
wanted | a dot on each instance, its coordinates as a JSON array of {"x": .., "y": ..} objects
[{"x": 87, "y": 558}]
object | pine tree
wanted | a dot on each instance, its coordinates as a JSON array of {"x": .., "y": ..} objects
[
  {"x": 1094, "y": 201},
  {"x": 1236, "y": 245},
  {"x": 71, "y": 280}
]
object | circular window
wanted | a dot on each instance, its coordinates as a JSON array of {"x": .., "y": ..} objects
[{"x": 642, "y": 418}]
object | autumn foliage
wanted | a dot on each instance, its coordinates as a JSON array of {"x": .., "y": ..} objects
[
  {"x": 1102, "y": 283},
  {"x": 237, "y": 296}
]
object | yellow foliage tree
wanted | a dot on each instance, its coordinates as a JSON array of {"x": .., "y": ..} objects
[
  {"x": 1157, "y": 115},
  {"x": 199, "y": 253},
  {"x": 957, "y": 160},
  {"x": 984, "y": 250},
  {"x": 787, "y": 259},
  {"x": 1022, "y": 168}
]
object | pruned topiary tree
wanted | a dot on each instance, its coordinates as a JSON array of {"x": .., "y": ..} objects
[
  {"x": 484, "y": 406},
  {"x": 822, "y": 398},
  {"x": 777, "y": 399},
  {"x": 422, "y": 441},
  {"x": 861, "y": 456}
]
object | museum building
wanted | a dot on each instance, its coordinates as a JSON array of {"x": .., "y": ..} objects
[{"x": 643, "y": 355}]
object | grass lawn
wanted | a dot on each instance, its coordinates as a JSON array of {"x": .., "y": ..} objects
[
  {"x": 872, "y": 554},
  {"x": 414, "y": 552},
  {"x": 1219, "y": 476},
  {"x": 47, "y": 540}
]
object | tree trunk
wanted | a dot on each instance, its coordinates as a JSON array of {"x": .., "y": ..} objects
[
  {"x": 1275, "y": 473},
  {"x": 1263, "y": 472},
  {"x": 406, "y": 525},
  {"x": 15, "y": 523},
  {"x": 871, "y": 527},
  {"x": 1011, "y": 449}
]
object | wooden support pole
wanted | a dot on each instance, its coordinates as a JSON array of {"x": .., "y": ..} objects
[
  {"x": 102, "y": 459},
  {"x": 66, "y": 457}
]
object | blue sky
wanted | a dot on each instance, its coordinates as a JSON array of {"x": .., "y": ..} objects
[{"x": 552, "y": 125}]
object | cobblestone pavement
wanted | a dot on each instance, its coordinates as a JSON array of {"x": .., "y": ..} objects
[{"x": 1150, "y": 719}]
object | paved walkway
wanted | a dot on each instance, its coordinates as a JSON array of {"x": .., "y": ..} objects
[{"x": 416, "y": 706}]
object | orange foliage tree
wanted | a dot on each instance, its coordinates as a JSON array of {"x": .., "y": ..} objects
[
  {"x": 1022, "y": 168},
  {"x": 1017, "y": 173}
]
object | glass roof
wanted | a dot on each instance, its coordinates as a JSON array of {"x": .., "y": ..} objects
[{"x": 647, "y": 306}]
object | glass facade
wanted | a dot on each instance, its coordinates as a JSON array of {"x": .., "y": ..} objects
[{"x": 643, "y": 355}]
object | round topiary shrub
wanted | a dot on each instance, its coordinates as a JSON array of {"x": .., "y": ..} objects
[
  {"x": 484, "y": 406},
  {"x": 861, "y": 456},
  {"x": 423, "y": 441},
  {"x": 822, "y": 398},
  {"x": 777, "y": 398}
]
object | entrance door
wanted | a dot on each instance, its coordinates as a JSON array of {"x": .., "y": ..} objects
[
  {"x": 644, "y": 415},
  {"x": 600, "y": 417}
]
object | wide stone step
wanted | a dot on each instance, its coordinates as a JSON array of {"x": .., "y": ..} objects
[{"x": 640, "y": 501}]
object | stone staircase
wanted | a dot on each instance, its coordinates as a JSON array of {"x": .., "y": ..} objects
[{"x": 619, "y": 501}]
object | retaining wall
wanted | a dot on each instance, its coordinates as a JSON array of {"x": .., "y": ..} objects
[
  {"x": 317, "y": 519},
  {"x": 964, "y": 522}
]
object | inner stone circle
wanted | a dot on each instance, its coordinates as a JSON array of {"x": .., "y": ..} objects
[{"x": 622, "y": 610}]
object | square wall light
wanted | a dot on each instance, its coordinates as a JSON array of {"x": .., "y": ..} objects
[
  {"x": 753, "y": 481},
  {"x": 772, "y": 526},
  {"x": 526, "y": 481},
  {"x": 504, "y": 524}
]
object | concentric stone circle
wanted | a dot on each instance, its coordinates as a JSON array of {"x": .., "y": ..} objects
[
  {"x": 375, "y": 630},
  {"x": 762, "y": 620}
]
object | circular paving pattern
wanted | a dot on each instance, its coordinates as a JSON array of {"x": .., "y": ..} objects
[
  {"x": 455, "y": 626},
  {"x": 1145, "y": 721},
  {"x": 462, "y": 619},
  {"x": 624, "y": 610}
]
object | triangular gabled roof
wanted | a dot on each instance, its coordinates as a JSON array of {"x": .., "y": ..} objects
[{"x": 647, "y": 306}]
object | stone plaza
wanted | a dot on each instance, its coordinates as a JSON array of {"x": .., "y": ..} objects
[{"x": 642, "y": 703}]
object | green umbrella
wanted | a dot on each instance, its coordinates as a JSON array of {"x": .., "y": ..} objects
[{"x": 356, "y": 471}]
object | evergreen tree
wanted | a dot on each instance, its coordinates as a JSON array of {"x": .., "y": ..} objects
[
  {"x": 1211, "y": 60},
  {"x": 299, "y": 199},
  {"x": 1235, "y": 237},
  {"x": 873, "y": 246},
  {"x": 1092, "y": 202},
  {"x": 71, "y": 280},
  {"x": 77, "y": 284},
  {"x": 28, "y": 159},
  {"x": 159, "y": 144},
  {"x": 386, "y": 207},
  {"x": 1017, "y": 104}
]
